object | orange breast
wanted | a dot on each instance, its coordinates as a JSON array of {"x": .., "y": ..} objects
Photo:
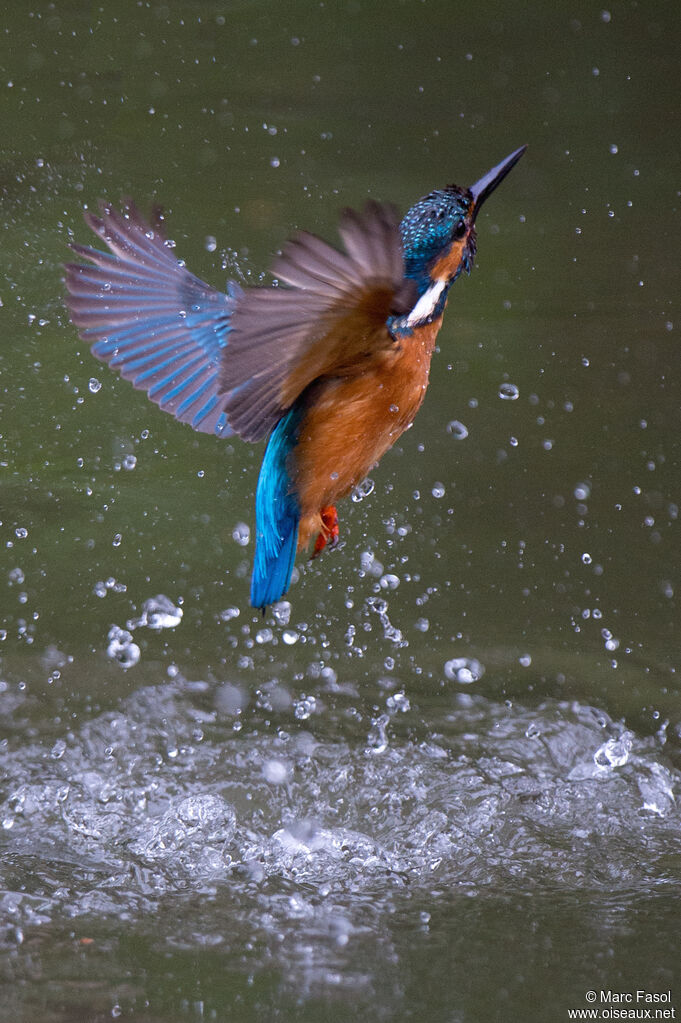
[{"x": 353, "y": 422}]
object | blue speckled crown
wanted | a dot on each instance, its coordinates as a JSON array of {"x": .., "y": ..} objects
[{"x": 430, "y": 226}]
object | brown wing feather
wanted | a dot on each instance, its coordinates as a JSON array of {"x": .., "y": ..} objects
[{"x": 327, "y": 321}]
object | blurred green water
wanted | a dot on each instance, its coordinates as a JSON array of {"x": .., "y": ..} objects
[{"x": 552, "y": 555}]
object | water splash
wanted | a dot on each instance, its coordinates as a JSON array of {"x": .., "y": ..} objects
[
  {"x": 158, "y": 612},
  {"x": 121, "y": 647},
  {"x": 615, "y": 752},
  {"x": 160, "y": 814},
  {"x": 464, "y": 670},
  {"x": 362, "y": 490},
  {"x": 191, "y": 835},
  {"x": 379, "y": 607}
]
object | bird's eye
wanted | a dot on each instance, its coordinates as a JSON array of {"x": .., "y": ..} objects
[{"x": 459, "y": 229}]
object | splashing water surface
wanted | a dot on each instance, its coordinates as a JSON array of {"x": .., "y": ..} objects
[{"x": 312, "y": 837}]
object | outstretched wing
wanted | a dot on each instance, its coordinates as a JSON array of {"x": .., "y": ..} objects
[
  {"x": 154, "y": 322},
  {"x": 330, "y": 318},
  {"x": 236, "y": 362}
]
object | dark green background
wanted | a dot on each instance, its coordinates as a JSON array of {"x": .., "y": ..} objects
[{"x": 246, "y": 121}]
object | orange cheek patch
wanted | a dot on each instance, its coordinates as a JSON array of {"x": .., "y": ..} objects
[{"x": 447, "y": 265}]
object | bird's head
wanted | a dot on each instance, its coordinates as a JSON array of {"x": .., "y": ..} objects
[{"x": 438, "y": 238}]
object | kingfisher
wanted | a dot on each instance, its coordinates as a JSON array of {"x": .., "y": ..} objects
[{"x": 329, "y": 364}]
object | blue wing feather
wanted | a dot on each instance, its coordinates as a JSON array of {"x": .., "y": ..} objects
[
  {"x": 277, "y": 516},
  {"x": 154, "y": 322}
]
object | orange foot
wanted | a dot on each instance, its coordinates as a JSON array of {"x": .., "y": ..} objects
[{"x": 329, "y": 532}]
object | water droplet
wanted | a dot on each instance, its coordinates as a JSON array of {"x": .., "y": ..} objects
[
  {"x": 363, "y": 490},
  {"x": 582, "y": 492},
  {"x": 464, "y": 670},
  {"x": 241, "y": 533},
  {"x": 158, "y": 612},
  {"x": 398, "y": 702},
  {"x": 275, "y": 161},
  {"x": 370, "y": 564},
  {"x": 508, "y": 392},
  {"x": 94, "y": 384},
  {"x": 586, "y": 559},
  {"x": 210, "y": 243},
  {"x": 117, "y": 540},
  {"x": 228, "y": 614},
  {"x": 281, "y": 612},
  {"x": 438, "y": 490},
  {"x": 457, "y": 429},
  {"x": 611, "y": 642},
  {"x": 121, "y": 647},
  {"x": 390, "y": 581},
  {"x": 129, "y": 462},
  {"x": 305, "y": 706}
]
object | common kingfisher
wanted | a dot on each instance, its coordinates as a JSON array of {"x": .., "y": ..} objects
[{"x": 331, "y": 365}]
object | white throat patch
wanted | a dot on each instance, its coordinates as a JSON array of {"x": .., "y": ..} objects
[{"x": 425, "y": 306}]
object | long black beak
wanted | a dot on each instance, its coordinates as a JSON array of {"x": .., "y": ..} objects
[{"x": 486, "y": 185}]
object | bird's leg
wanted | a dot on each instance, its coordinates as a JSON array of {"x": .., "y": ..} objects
[{"x": 329, "y": 531}]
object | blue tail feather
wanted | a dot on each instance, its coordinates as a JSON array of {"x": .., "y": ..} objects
[{"x": 277, "y": 516}]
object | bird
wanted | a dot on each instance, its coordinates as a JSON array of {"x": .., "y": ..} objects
[{"x": 329, "y": 363}]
